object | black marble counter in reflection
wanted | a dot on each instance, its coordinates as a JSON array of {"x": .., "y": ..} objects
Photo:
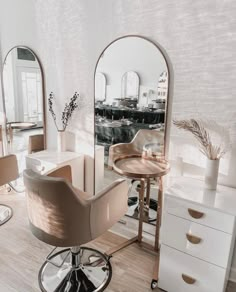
[
  {"x": 114, "y": 135},
  {"x": 138, "y": 116},
  {"x": 110, "y": 130}
]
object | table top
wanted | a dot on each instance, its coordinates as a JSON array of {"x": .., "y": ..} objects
[
  {"x": 193, "y": 190},
  {"x": 54, "y": 156},
  {"x": 135, "y": 166},
  {"x": 22, "y": 125}
]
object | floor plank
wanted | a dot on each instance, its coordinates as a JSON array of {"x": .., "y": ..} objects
[{"x": 22, "y": 255}]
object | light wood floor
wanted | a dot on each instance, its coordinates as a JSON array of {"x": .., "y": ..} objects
[{"x": 21, "y": 256}]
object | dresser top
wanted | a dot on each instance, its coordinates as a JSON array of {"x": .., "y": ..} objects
[
  {"x": 54, "y": 156},
  {"x": 192, "y": 190}
]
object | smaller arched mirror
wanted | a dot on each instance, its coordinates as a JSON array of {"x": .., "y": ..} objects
[
  {"x": 130, "y": 85},
  {"x": 100, "y": 87},
  {"x": 23, "y": 101},
  {"x": 162, "y": 87}
]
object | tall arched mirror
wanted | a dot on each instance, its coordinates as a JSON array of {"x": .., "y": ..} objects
[
  {"x": 135, "y": 110},
  {"x": 23, "y": 103}
]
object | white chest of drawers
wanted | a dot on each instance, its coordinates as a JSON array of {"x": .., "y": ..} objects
[{"x": 197, "y": 237}]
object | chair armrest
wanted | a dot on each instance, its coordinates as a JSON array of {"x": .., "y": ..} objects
[
  {"x": 64, "y": 172},
  {"x": 108, "y": 206}
]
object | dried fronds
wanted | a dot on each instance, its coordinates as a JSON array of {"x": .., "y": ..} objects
[
  {"x": 199, "y": 131},
  {"x": 68, "y": 110}
]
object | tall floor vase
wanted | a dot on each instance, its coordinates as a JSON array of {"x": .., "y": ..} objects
[
  {"x": 211, "y": 174},
  {"x": 61, "y": 141}
]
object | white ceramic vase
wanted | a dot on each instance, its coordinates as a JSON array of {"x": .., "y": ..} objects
[
  {"x": 61, "y": 141},
  {"x": 211, "y": 174}
]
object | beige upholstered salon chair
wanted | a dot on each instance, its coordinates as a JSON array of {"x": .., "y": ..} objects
[
  {"x": 63, "y": 216},
  {"x": 1, "y": 141},
  {"x": 36, "y": 143},
  {"x": 8, "y": 172}
]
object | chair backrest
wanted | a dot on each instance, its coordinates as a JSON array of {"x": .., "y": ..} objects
[
  {"x": 58, "y": 215},
  {"x": 145, "y": 136},
  {"x": 8, "y": 169},
  {"x": 36, "y": 143}
]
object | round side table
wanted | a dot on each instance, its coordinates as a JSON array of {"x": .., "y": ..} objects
[
  {"x": 144, "y": 169},
  {"x": 20, "y": 126}
]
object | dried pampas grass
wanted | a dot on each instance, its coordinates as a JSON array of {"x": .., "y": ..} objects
[{"x": 197, "y": 128}]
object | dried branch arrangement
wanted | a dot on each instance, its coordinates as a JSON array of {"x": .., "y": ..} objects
[
  {"x": 67, "y": 112},
  {"x": 203, "y": 137}
]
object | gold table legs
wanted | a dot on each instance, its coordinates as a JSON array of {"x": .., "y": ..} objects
[
  {"x": 157, "y": 234},
  {"x": 138, "y": 238},
  {"x": 141, "y": 206}
]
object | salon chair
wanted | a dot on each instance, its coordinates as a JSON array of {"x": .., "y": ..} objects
[
  {"x": 36, "y": 143},
  {"x": 136, "y": 146},
  {"x": 63, "y": 216},
  {"x": 1, "y": 141},
  {"x": 8, "y": 172}
]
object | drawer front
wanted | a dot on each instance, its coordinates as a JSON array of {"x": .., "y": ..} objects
[
  {"x": 197, "y": 240},
  {"x": 199, "y": 214},
  {"x": 183, "y": 273}
]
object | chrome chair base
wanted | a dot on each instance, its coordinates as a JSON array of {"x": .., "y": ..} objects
[
  {"x": 66, "y": 271},
  {"x": 150, "y": 214},
  {"x": 5, "y": 213},
  {"x": 150, "y": 209}
]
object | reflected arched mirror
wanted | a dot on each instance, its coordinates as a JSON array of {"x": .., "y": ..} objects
[
  {"x": 100, "y": 86},
  {"x": 138, "y": 106},
  {"x": 23, "y": 102},
  {"x": 162, "y": 86},
  {"x": 130, "y": 85}
]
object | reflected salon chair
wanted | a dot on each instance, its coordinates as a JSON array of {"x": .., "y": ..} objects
[
  {"x": 136, "y": 146},
  {"x": 143, "y": 137},
  {"x": 36, "y": 143},
  {"x": 8, "y": 172},
  {"x": 65, "y": 217}
]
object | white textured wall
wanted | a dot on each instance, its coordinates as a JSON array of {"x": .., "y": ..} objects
[
  {"x": 17, "y": 27},
  {"x": 199, "y": 37}
]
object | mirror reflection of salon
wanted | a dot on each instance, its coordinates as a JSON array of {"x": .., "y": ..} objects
[
  {"x": 134, "y": 94},
  {"x": 136, "y": 98},
  {"x": 23, "y": 101}
]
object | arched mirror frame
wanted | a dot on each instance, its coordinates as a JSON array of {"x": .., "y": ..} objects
[
  {"x": 123, "y": 86},
  {"x": 168, "y": 104},
  {"x": 43, "y": 89}
]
